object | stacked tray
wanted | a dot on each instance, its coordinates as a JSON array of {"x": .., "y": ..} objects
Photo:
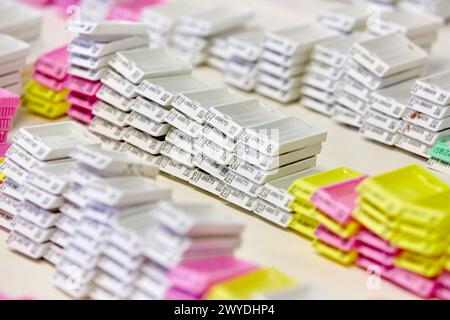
[
  {"x": 105, "y": 185},
  {"x": 209, "y": 137},
  {"x": 336, "y": 235},
  {"x": 345, "y": 18},
  {"x": 195, "y": 31},
  {"x": 244, "y": 51},
  {"x": 275, "y": 203},
  {"x": 46, "y": 94},
  {"x": 307, "y": 218},
  {"x": 32, "y": 194},
  {"x": 325, "y": 71},
  {"x": 246, "y": 144},
  {"x": 427, "y": 118},
  {"x": 284, "y": 59},
  {"x": 13, "y": 53},
  {"x": 90, "y": 53},
  {"x": 20, "y": 21},
  {"x": 407, "y": 209},
  {"x": 39, "y": 214},
  {"x": 376, "y": 65},
  {"x": 185, "y": 240},
  {"x": 421, "y": 28},
  {"x": 162, "y": 20},
  {"x": 387, "y": 108},
  {"x": 178, "y": 252},
  {"x": 126, "y": 113}
]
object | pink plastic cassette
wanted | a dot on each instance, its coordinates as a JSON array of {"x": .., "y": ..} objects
[
  {"x": 81, "y": 100},
  {"x": 334, "y": 240},
  {"x": 83, "y": 86},
  {"x": 413, "y": 282},
  {"x": 49, "y": 82},
  {"x": 444, "y": 279},
  {"x": 338, "y": 200},
  {"x": 372, "y": 240},
  {"x": 372, "y": 266},
  {"x": 381, "y": 257},
  {"x": 53, "y": 63},
  {"x": 442, "y": 293},
  {"x": 80, "y": 114}
]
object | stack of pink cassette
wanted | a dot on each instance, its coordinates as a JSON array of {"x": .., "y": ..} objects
[
  {"x": 82, "y": 98},
  {"x": 46, "y": 94},
  {"x": 337, "y": 233}
]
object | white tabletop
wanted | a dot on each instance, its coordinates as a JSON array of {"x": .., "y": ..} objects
[{"x": 263, "y": 243}]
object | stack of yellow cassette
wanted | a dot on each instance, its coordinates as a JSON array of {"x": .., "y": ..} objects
[
  {"x": 306, "y": 218},
  {"x": 409, "y": 208},
  {"x": 45, "y": 93}
]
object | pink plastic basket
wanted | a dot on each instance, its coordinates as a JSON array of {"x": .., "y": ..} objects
[
  {"x": 8, "y": 113},
  {"x": 8, "y": 99},
  {"x": 5, "y": 124},
  {"x": 3, "y": 136}
]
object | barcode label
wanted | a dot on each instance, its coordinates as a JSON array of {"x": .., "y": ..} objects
[
  {"x": 278, "y": 197},
  {"x": 206, "y": 182},
  {"x": 175, "y": 168},
  {"x": 183, "y": 123},
  {"x": 149, "y": 109},
  {"x": 238, "y": 198},
  {"x": 142, "y": 140},
  {"x": 272, "y": 213}
]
